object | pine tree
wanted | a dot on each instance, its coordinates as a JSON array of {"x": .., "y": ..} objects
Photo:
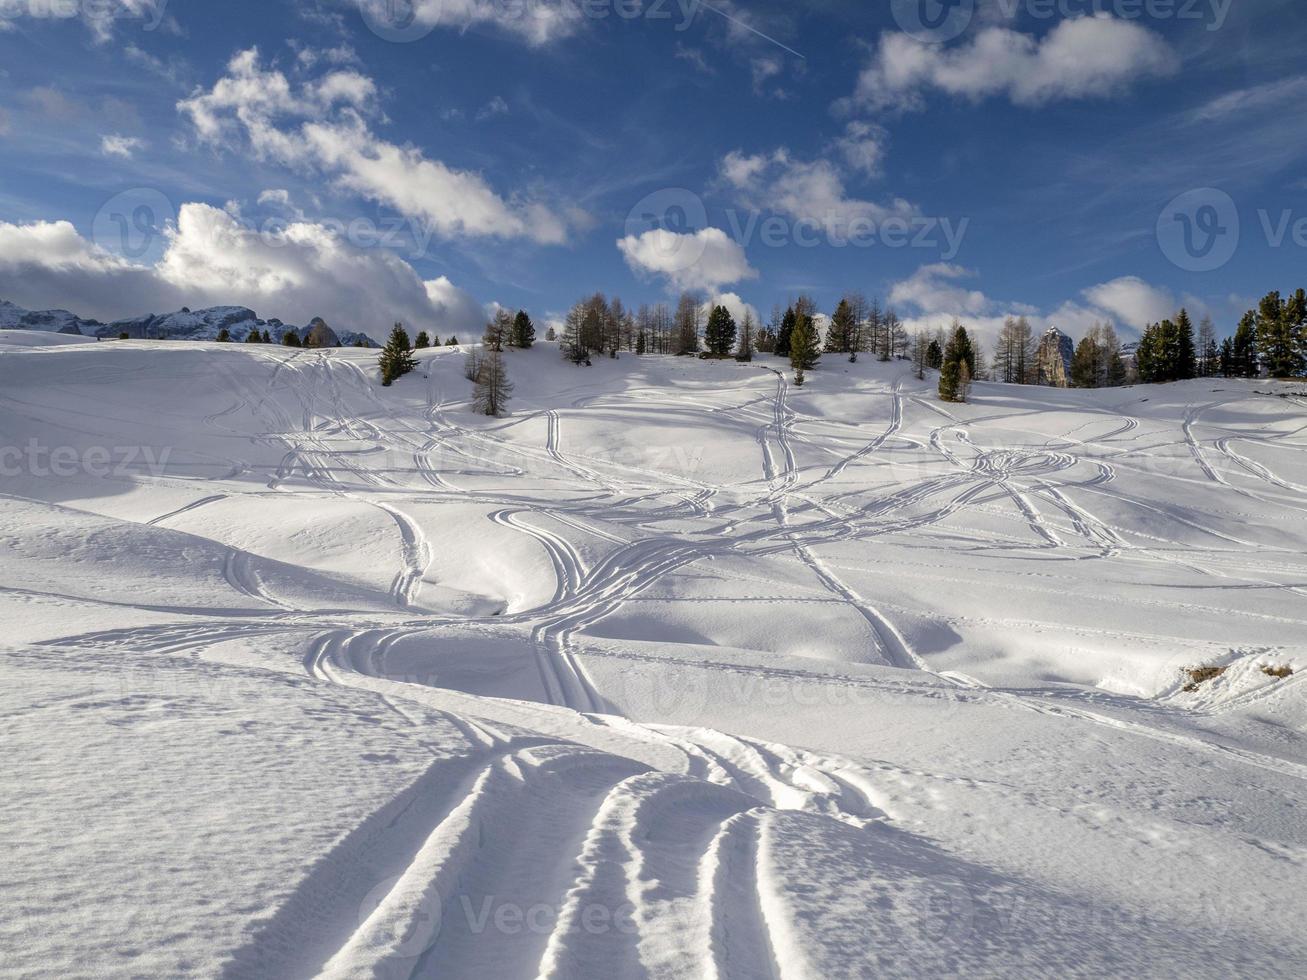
[
  {"x": 423, "y": 340},
  {"x": 934, "y": 355},
  {"x": 1146, "y": 355},
  {"x": 720, "y": 332},
  {"x": 1279, "y": 327},
  {"x": 785, "y": 336},
  {"x": 572, "y": 345},
  {"x": 1186, "y": 356},
  {"x": 805, "y": 348},
  {"x": 843, "y": 324},
  {"x": 949, "y": 379},
  {"x": 452, "y": 341},
  {"x": 290, "y": 339},
  {"x": 524, "y": 331},
  {"x": 960, "y": 349},
  {"x": 1295, "y": 315},
  {"x": 747, "y": 329},
  {"x": 491, "y": 388},
  {"x": 254, "y": 338},
  {"x": 1243, "y": 360},
  {"x": 799, "y": 379},
  {"x": 551, "y": 334},
  {"x": 223, "y": 336},
  {"x": 1227, "y": 357},
  {"x": 397, "y": 356},
  {"x": 1084, "y": 365},
  {"x": 267, "y": 338}
]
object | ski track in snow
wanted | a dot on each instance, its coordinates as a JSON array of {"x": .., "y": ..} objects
[{"x": 578, "y": 822}]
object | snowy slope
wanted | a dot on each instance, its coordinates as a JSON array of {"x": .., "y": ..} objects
[{"x": 675, "y": 671}]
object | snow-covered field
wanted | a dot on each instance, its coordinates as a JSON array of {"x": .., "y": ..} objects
[{"x": 677, "y": 671}]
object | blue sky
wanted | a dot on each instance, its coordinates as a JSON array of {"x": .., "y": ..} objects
[{"x": 294, "y": 159}]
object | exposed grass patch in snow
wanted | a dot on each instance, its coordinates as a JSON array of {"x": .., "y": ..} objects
[
  {"x": 1280, "y": 671},
  {"x": 1200, "y": 675}
]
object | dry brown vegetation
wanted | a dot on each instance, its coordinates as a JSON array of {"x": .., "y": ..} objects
[
  {"x": 1281, "y": 672},
  {"x": 1199, "y": 675}
]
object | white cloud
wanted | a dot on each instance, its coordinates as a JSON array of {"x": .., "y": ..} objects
[
  {"x": 320, "y": 126},
  {"x": 737, "y": 307},
  {"x": 1259, "y": 97},
  {"x": 863, "y": 146},
  {"x": 810, "y": 191},
  {"x": 764, "y": 69},
  {"x": 1132, "y": 301},
  {"x": 121, "y": 146},
  {"x": 934, "y": 289},
  {"x": 934, "y": 295},
  {"x": 706, "y": 259},
  {"x": 537, "y": 22},
  {"x": 294, "y": 273},
  {"x": 495, "y": 107},
  {"x": 1083, "y": 57}
]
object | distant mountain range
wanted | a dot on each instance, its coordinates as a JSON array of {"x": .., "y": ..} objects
[{"x": 185, "y": 324}]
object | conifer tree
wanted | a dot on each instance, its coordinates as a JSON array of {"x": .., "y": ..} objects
[
  {"x": 1084, "y": 364},
  {"x": 1279, "y": 326},
  {"x": 452, "y": 341},
  {"x": 423, "y": 340},
  {"x": 1227, "y": 357},
  {"x": 491, "y": 388},
  {"x": 1186, "y": 356},
  {"x": 397, "y": 356},
  {"x": 267, "y": 338},
  {"x": 785, "y": 336},
  {"x": 254, "y": 338},
  {"x": 524, "y": 331},
  {"x": 290, "y": 339},
  {"x": 223, "y": 336},
  {"x": 934, "y": 355},
  {"x": 949, "y": 379},
  {"x": 720, "y": 332},
  {"x": 551, "y": 334},
  {"x": 843, "y": 325},
  {"x": 805, "y": 347},
  {"x": 1243, "y": 360}
]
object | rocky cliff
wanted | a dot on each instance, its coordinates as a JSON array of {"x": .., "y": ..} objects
[{"x": 1053, "y": 359}]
